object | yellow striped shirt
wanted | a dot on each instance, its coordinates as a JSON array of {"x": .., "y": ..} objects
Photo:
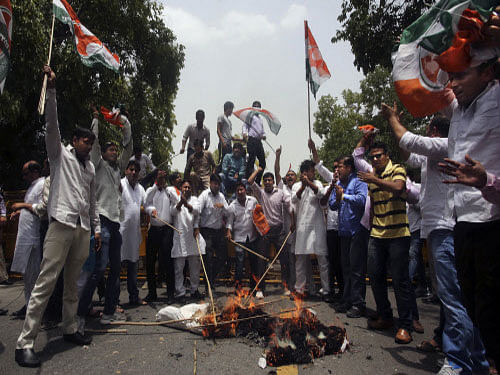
[{"x": 389, "y": 211}]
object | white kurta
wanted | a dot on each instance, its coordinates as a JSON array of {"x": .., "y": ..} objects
[
  {"x": 185, "y": 243},
  {"x": 311, "y": 229},
  {"x": 28, "y": 230},
  {"x": 287, "y": 217},
  {"x": 130, "y": 225}
]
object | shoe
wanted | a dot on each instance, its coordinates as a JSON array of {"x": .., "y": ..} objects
[
  {"x": 259, "y": 294},
  {"x": 151, "y": 298},
  {"x": 448, "y": 370},
  {"x": 418, "y": 327},
  {"x": 78, "y": 339},
  {"x": 115, "y": 318},
  {"x": 380, "y": 324},
  {"x": 197, "y": 296},
  {"x": 420, "y": 292},
  {"x": 137, "y": 302},
  {"x": 80, "y": 325},
  {"x": 328, "y": 298},
  {"x": 21, "y": 313},
  {"x": 355, "y": 312},
  {"x": 3, "y": 311},
  {"x": 341, "y": 307},
  {"x": 7, "y": 282},
  {"x": 403, "y": 336},
  {"x": 27, "y": 358},
  {"x": 287, "y": 292},
  {"x": 170, "y": 300},
  {"x": 433, "y": 299},
  {"x": 429, "y": 346}
]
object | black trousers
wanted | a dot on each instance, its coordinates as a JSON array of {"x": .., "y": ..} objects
[
  {"x": 255, "y": 150},
  {"x": 477, "y": 256},
  {"x": 159, "y": 245},
  {"x": 216, "y": 252},
  {"x": 334, "y": 258}
]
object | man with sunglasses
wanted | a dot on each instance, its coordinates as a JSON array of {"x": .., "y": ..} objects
[{"x": 389, "y": 240}]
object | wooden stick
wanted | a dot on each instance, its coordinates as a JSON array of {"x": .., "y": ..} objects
[
  {"x": 259, "y": 316},
  {"x": 110, "y": 330},
  {"x": 167, "y": 224},
  {"x": 249, "y": 250},
  {"x": 208, "y": 281},
  {"x": 268, "y": 268},
  {"x": 194, "y": 357},
  {"x": 41, "y": 103}
]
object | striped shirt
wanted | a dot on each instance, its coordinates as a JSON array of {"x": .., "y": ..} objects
[{"x": 389, "y": 211}]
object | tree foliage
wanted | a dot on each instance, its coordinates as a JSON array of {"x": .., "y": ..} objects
[
  {"x": 337, "y": 120},
  {"x": 151, "y": 61},
  {"x": 372, "y": 27}
]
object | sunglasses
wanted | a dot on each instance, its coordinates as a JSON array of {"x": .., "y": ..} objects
[{"x": 375, "y": 156}]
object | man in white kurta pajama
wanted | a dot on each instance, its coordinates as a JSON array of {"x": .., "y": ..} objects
[
  {"x": 186, "y": 214},
  {"x": 28, "y": 253},
  {"x": 310, "y": 227},
  {"x": 133, "y": 197}
]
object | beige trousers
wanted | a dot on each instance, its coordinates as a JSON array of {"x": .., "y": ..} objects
[
  {"x": 63, "y": 247},
  {"x": 302, "y": 264}
]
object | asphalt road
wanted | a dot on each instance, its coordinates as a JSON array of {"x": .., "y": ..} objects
[{"x": 162, "y": 350}]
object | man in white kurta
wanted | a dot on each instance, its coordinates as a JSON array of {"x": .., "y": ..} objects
[
  {"x": 133, "y": 197},
  {"x": 310, "y": 227},
  {"x": 28, "y": 253},
  {"x": 186, "y": 214}
]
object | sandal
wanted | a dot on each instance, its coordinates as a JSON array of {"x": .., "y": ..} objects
[{"x": 430, "y": 346}]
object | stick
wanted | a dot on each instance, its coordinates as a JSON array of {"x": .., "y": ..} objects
[
  {"x": 259, "y": 316},
  {"x": 194, "y": 356},
  {"x": 167, "y": 224},
  {"x": 250, "y": 251},
  {"x": 41, "y": 103},
  {"x": 111, "y": 330},
  {"x": 271, "y": 147},
  {"x": 208, "y": 281},
  {"x": 268, "y": 268}
]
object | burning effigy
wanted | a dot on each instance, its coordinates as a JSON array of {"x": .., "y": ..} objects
[{"x": 292, "y": 336}]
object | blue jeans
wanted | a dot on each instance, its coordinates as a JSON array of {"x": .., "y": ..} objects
[
  {"x": 110, "y": 252},
  {"x": 396, "y": 251},
  {"x": 416, "y": 266},
  {"x": 462, "y": 344}
]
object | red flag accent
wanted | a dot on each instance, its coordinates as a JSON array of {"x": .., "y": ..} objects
[{"x": 112, "y": 117}]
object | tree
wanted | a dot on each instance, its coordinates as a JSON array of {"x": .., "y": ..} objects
[
  {"x": 372, "y": 27},
  {"x": 151, "y": 61},
  {"x": 337, "y": 123}
]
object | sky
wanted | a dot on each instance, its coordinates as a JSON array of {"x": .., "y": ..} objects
[{"x": 245, "y": 51}]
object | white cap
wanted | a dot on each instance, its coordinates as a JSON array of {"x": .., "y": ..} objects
[{"x": 482, "y": 55}]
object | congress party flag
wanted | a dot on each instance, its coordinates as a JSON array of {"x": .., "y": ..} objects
[{"x": 316, "y": 70}]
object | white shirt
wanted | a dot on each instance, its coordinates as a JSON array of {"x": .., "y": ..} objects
[
  {"x": 287, "y": 217},
  {"x": 160, "y": 201},
  {"x": 332, "y": 217},
  {"x": 240, "y": 220},
  {"x": 72, "y": 188},
  {"x": 185, "y": 243},
  {"x": 130, "y": 225},
  {"x": 426, "y": 153},
  {"x": 413, "y": 211},
  {"x": 28, "y": 230},
  {"x": 255, "y": 129},
  {"x": 107, "y": 176},
  {"x": 311, "y": 228},
  {"x": 146, "y": 165},
  {"x": 211, "y": 216}
]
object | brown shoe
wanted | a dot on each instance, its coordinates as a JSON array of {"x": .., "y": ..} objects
[
  {"x": 380, "y": 324},
  {"x": 418, "y": 327},
  {"x": 403, "y": 336}
]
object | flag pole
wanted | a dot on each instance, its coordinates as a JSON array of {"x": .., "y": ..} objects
[
  {"x": 306, "y": 29},
  {"x": 41, "y": 103}
]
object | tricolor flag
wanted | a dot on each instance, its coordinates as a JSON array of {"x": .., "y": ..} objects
[
  {"x": 113, "y": 117},
  {"x": 246, "y": 115},
  {"x": 316, "y": 70},
  {"x": 91, "y": 50},
  {"x": 436, "y": 43},
  {"x": 5, "y": 40}
]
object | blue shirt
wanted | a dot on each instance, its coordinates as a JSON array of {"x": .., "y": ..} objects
[
  {"x": 231, "y": 166},
  {"x": 352, "y": 206}
]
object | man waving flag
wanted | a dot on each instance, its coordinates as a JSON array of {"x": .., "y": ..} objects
[
  {"x": 316, "y": 70},
  {"x": 91, "y": 50},
  {"x": 5, "y": 39}
]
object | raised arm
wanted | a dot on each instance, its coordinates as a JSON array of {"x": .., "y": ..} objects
[
  {"x": 95, "y": 152},
  {"x": 127, "y": 142},
  {"x": 434, "y": 147},
  {"x": 277, "y": 174},
  {"x": 359, "y": 161},
  {"x": 52, "y": 135}
]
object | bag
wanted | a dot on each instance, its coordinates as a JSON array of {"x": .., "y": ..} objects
[{"x": 260, "y": 221}]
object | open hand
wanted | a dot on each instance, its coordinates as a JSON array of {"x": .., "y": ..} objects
[
  {"x": 471, "y": 174},
  {"x": 367, "y": 177}
]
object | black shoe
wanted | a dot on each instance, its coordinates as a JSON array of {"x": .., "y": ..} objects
[
  {"x": 27, "y": 358},
  {"x": 21, "y": 313},
  {"x": 355, "y": 312},
  {"x": 3, "y": 311},
  {"x": 151, "y": 298},
  {"x": 433, "y": 299},
  {"x": 78, "y": 339},
  {"x": 341, "y": 307},
  {"x": 180, "y": 300},
  {"x": 197, "y": 296},
  {"x": 170, "y": 300},
  {"x": 420, "y": 292},
  {"x": 7, "y": 282},
  {"x": 328, "y": 298}
]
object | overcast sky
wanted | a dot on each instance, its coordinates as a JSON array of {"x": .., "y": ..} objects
[{"x": 246, "y": 51}]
